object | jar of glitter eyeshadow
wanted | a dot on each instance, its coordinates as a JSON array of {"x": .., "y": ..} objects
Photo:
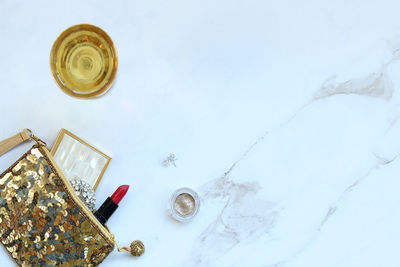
[{"x": 184, "y": 204}]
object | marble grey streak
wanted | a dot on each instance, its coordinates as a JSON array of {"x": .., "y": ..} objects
[
  {"x": 374, "y": 85},
  {"x": 380, "y": 163},
  {"x": 333, "y": 208},
  {"x": 236, "y": 223},
  {"x": 377, "y": 84},
  {"x": 337, "y": 204}
]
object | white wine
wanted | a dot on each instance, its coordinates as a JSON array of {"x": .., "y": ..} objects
[{"x": 84, "y": 61}]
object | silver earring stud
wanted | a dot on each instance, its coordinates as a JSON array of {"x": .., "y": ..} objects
[{"x": 170, "y": 160}]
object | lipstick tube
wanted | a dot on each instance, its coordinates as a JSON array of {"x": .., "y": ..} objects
[{"x": 109, "y": 206}]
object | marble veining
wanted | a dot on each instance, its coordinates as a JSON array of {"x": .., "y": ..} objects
[
  {"x": 237, "y": 223},
  {"x": 284, "y": 117},
  {"x": 374, "y": 85}
]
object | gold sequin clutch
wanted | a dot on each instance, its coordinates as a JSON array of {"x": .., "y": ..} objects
[{"x": 42, "y": 221}]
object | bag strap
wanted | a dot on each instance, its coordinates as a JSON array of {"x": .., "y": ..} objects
[
  {"x": 21, "y": 137},
  {"x": 10, "y": 143}
]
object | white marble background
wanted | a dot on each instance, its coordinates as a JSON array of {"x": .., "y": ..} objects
[{"x": 284, "y": 116}]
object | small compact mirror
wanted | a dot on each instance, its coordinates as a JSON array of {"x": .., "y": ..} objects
[{"x": 78, "y": 159}]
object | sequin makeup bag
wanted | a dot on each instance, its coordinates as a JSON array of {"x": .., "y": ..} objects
[{"x": 42, "y": 221}]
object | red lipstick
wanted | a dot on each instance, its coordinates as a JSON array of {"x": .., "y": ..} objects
[
  {"x": 120, "y": 193},
  {"x": 111, "y": 204}
]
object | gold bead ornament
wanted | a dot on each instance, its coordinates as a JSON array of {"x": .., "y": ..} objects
[{"x": 137, "y": 248}]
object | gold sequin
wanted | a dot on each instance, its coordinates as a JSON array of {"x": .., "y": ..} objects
[
  {"x": 39, "y": 223},
  {"x": 33, "y": 159}
]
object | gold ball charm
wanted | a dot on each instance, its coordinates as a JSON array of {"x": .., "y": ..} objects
[{"x": 137, "y": 248}]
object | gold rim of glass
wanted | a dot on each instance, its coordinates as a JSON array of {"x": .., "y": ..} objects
[{"x": 84, "y": 61}]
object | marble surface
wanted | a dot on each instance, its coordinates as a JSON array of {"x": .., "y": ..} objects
[{"x": 284, "y": 117}]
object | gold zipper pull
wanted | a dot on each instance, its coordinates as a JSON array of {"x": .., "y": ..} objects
[{"x": 136, "y": 248}]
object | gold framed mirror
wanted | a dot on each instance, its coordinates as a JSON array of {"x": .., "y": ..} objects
[{"x": 78, "y": 159}]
